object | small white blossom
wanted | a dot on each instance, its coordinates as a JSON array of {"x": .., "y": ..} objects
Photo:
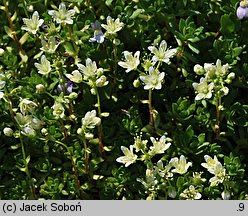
[
  {"x": 211, "y": 162},
  {"x": 129, "y": 157},
  {"x": 76, "y": 76},
  {"x": 221, "y": 70},
  {"x": 90, "y": 120},
  {"x": 62, "y": 15},
  {"x": 181, "y": 166},
  {"x": 131, "y": 62},
  {"x": 139, "y": 144},
  {"x": 220, "y": 172},
  {"x": 90, "y": 70},
  {"x": 159, "y": 146},
  {"x": 153, "y": 80},
  {"x": 49, "y": 45},
  {"x": 162, "y": 53},
  {"x": 27, "y": 106},
  {"x": 203, "y": 89},
  {"x": 113, "y": 26},
  {"x": 163, "y": 171},
  {"x": 191, "y": 193},
  {"x": 44, "y": 67},
  {"x": 58, "y": 110},
  {"x": 32, "y": 25}
]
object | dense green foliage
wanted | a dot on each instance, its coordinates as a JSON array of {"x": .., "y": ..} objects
[{"x": 54, "y": 146}]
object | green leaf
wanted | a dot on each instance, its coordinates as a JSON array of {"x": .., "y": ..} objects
[
  {"x": 194, "y": 48},
  {"x": 227, "y": 25}
]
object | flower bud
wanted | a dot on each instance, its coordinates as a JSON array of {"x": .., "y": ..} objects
[
  {"x": 136, "y": 83},
  {"x": 231, "y": 76},
  {"x": 225, "y": 195},
  {"x": 30, "y": 8},
  {"x": 80, "y": 131},
  {"x": 44, "y": 131},
  {"x": 73, "y": 96},
  {"x": 116, "y": 42},
  {"x": 92, "y": 91},
  {"x": 198, "y": 69},
  {"x": 1, "y": 51},
  {"x": 8, "y": 132},
  {"x": 102, "y": 81},
  {"x": 89, "y": 136},
  {"x": 225, "y": 90},
  {"x": 172, "y": 192},
  {"x": 40, "y": 88}
]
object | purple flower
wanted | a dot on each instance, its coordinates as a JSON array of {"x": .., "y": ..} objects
[
  {"x": 66, "y": 86},
  {"x": 98, "y": 34},
  {"x": 242, "y": 12}
]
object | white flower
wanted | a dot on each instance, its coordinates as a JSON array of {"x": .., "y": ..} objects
[
  {"x": 221, "y": 70},
  {"x": 181, "y": 166},
  {"x": 27, "y": 106},
  {"x": 90, "y": 120},
  {"x": 203, "y": 89},
  {"x": 49, "y": 46},
  {"x": 191, "y": 193},
  {"x": 44, "y": 67},
  {"x": 220, "y": 172},
  {"x": 159, "y": 146},
  {"x": 214, "y": 167},
  {"x": 76, "y": 76},
  {"x": 162, "y": 170},
  {"x": 90, "y": 70},
  {"x": 129, "y": 157},
  {"x": 139, "y": 144},
  {"x": 62, "y": 15},
  {"x": 131, "y": 62},
  {"x": 113, "y": 26},
  {"x": 162, "y": 54},
  {"x": 32, "y": 25},
  {"x": 211, "y": 162},
  {"x": 153, "y": 80},
  {"x": 58, "y": 110}
]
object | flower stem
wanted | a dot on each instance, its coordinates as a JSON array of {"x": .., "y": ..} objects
[
  {"x": 12, "y": 27},
  {"x": 80, "y": 193},
  {"x": 152, "y": 121},
  {"x": 86, "y": 156},
  {"x": 29, "y": 180},
  {"x": 217, "y": 125},
  {"x": 63, "y": 128},
  {"x": 115, "y": 63},
  {"x": 100, "y": 126}
]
